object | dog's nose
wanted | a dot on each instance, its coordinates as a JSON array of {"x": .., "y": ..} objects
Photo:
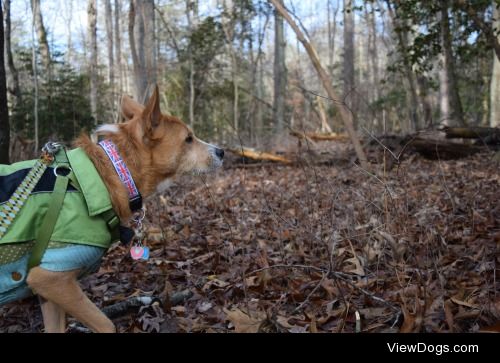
[{"x": 219, "y": 153}]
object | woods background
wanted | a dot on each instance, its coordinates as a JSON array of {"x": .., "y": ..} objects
[
  {"x": 315, "y": 239},
  {"x": 235, "y": 73}
]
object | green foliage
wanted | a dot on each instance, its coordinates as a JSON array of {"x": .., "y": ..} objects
[
  {"x": 419, "y": 28},
  {"x": 63, "y": 104}
]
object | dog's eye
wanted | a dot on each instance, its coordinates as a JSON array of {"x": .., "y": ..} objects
[{"x": 189, "y": 139}]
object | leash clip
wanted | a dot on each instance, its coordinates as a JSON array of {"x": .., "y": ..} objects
[
  {"x": 49, "y": 151},
  {"x": 52, "y": 147}
]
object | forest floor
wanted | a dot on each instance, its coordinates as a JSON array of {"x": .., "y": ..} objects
[{"x": 312, "y": 249}]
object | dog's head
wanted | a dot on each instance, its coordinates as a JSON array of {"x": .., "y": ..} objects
[{"x": 169, "y": 145}]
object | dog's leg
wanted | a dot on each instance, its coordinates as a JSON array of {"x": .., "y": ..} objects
[
  {"x": 62, "y": 289},
  {"x": 54, "y": 317}
]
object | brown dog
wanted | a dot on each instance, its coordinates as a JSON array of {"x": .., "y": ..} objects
[{"x": 155, "y": 148}]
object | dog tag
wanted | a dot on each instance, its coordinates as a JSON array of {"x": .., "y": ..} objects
[
  {"x": 145, "y": 255},
  {"x": 137, "y": 252}
]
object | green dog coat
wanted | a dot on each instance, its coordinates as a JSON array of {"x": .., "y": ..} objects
[{"x": 81, "y": 234}]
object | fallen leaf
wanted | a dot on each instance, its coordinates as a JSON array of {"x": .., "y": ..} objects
[
  {"x": 464, "y": 303},
  {"x": 358, "y": 269},
  {"x": 242, "y": 322}
]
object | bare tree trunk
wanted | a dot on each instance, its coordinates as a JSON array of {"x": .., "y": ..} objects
[
  {"x": 69, "y": 25},
  {"x": 374, "y": 62},
  {"x": 229, "y": 32},
  {"x": 118, "y": 47},
  {"x": 344, "y": 112},
  {"x": 191, "y": 7},
  {"x": 423, "y": 86},
  {"x": 444, "y": 94},
  {"x": 349, "y": 59},
  {"x": 148, "y": 19},
  {"x": 280, "y": 78},
  {"x": 92, "y": 45},
  {"x": 144, "y": 67},
  {"x": 325, "y": 127},
  {"x": 12, "y": 75},
  {"x": 332, "y": 33},
  {"x": 259, "y": 125},
  {"x": 456, "y": 116},
  {"x": 4, "y": 111},
  {"x": 42, "y": 35},
  {"x": 495, "y": 77},
  {"x": 108, "y": 15},
  {"x": 35, "y": 82},
  {"x": 138, "y": 76},
  {"x": 412, "y": 97}
]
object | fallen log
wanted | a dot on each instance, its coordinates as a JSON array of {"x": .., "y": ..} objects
[
  {"x": 438, "y": 149},
  {"x": 259, "y": 155},
  {"x": 319, "y": 136},
  {"x": 472, "y": 133}
]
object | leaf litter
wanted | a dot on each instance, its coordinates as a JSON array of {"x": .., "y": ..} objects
[{"x": 311, "y": 249}]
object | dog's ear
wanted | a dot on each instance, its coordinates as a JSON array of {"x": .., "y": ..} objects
[
  {"x": 151, "y": 115},
  {"x": 130, "y": 108}
]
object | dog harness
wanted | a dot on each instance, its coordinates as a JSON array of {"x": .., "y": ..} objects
[{"x": 57, "y": 215}]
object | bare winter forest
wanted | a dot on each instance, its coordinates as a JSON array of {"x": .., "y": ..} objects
[{"x": 360, "y": 190}]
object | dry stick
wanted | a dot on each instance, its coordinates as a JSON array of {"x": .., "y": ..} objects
[{"x": 345, "y": 114}]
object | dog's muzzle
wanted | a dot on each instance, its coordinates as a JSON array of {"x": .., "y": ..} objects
[
  {"x": 217, "y": 156},
  {"x": 219, "y": 153}
]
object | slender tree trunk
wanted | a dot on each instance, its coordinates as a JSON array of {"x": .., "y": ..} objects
[
  {"x": 332, "y": 33},
  {"x": 425, "y": 100},
  {"x": 118, "y": 47},
  {"x": 108, "y": 15},
  {"x": 92, "y": 45},
  {"x": 133, "y": 51},
  {"x": 138, "y": 44},
  {"x": 444, "y": 94},
  {"x": 280, "y": 77},
  {"x": 12, "y": 75},
  {"x": 412, "y": 96},
  {"x": 34, "y": 59},
  {"x": 495, "y": 77},
  {"x": 344, "y": 112},
  {"x": 69, "y": 26},
  {"x": 259, "y": 125},
  {"x": 456, "y": 116},
  {"x": 191, "y": 7},
  {"x": 149, "y": 20},
  {"x": 374, "y": 63},
  {"x": 325, "y": 127},
  {"x": 42, "y": 35},
  {"x": 4, "y": 111},
  {"x": 229, "y": 32},
  {"x": 349, "y": 59}
]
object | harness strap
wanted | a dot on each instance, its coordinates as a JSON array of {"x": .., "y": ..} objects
[
  {"x": 113, "y": 223},
  {"x": 52, "y": 214},
  {"x": 49, "y": 221}
]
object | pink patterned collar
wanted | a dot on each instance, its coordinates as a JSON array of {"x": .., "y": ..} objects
[{"x": 135, "y": 198}]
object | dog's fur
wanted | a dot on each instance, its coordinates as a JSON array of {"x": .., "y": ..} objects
[{"x": 155, "y": 148}]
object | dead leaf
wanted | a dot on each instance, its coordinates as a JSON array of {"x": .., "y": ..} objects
[
  {"x": 408, "y": 322},
  {"x": 464, "y": 303},
  {"x": 242, "y": 322},
  {"x": 358, "y": 269},
  {"x": 449, "y": 315}
]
